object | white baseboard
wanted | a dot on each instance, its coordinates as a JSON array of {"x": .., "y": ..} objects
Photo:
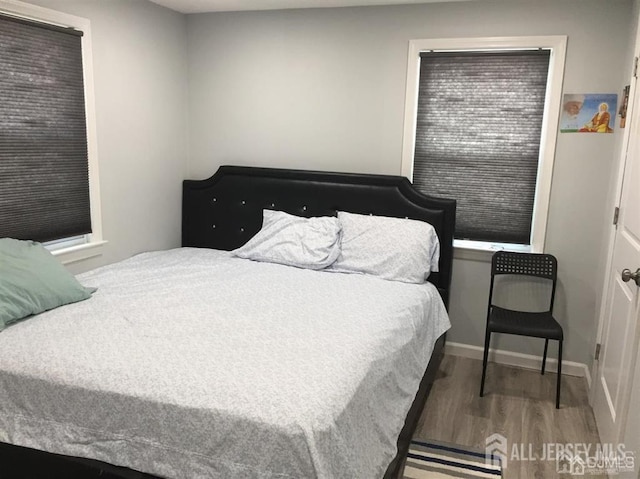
[{"x": 509, "y": 358}]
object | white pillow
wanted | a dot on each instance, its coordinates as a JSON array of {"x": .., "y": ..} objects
[
  {"x": 390, "y": 248},
  {"x": 312, "y": 243}
]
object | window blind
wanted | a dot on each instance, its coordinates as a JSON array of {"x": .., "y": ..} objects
[
  {"x": 44, "y": 176},
  {"x": 479, "y": 122}
]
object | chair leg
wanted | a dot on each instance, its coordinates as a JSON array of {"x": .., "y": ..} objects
[
  {"x": 487, "y": 340},
  {"x": 559, "y": 374},
  {"x": 544, "y": 357}
]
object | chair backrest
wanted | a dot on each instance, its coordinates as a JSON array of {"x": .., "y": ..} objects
[{"x": 525, "y": 264}]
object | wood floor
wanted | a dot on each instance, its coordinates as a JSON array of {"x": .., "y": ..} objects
[{"x": 518, "y": 404}]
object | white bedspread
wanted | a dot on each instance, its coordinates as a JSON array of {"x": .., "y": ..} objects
[{"x": 192, "y": 364}]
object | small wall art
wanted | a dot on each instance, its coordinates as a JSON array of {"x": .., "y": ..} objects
[{"x": 588, "y": 112}]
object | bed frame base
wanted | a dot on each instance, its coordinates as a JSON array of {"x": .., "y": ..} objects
[{"x": 395, "y": 469}]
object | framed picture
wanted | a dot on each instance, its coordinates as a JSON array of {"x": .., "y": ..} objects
[{"x": 588, "y": 112}]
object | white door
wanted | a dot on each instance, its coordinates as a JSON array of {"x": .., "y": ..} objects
[
  {"x": 632, "y": 434},
  {"x": 620, "y": 327}
]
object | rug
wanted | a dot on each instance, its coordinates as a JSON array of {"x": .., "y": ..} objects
[{"x": 436, "y": 460}]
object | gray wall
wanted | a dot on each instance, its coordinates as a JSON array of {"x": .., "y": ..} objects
[
  {"x": 140, "y": 68},
  {"x": 325, "y": 89}
]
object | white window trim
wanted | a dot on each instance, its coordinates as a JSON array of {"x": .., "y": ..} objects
[
  {"x": 73, "y": 254},
  {"x": 94, "y": 242},
  {"x": 558, "y": 45}
]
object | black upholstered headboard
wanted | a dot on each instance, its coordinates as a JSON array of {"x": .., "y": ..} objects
[{"x": 225, "y": 211}]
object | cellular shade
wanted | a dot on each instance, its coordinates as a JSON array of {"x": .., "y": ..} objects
[
  {"x": 44, "y": 176},
  {"x": 479, "y": 121}
]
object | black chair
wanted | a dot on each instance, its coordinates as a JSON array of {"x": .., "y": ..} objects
[{"x": 536, "y": 324}]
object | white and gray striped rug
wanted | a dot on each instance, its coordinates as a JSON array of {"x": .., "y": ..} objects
[{"x": 436, "y": 460}]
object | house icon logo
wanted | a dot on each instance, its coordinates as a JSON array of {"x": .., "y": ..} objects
[
  {"x": 577, "y": 465},
  {"x": 571, "y": 464},
  {"x": 496, "y": 450}
]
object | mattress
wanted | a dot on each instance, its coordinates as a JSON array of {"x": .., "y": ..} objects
[{"x": 192, "y": 363}]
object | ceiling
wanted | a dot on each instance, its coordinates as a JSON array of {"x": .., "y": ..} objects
[{"x": 201, "y": 6}]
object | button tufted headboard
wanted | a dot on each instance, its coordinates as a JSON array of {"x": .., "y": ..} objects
[{"x": 225, "y": 211}]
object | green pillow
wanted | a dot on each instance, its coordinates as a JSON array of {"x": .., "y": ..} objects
[{"x": 32, "y": 280}]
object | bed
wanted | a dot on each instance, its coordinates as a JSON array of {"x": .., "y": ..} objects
[{"x": 197, "y": 388}]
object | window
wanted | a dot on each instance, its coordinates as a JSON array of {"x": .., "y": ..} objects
[
  {"x": 48, "y": 169},
  {"x": 480, "y": 126}
]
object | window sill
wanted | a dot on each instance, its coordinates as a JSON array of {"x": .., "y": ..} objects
[
  {"x": 482, "y": 251},
  {"x": 73, "y": 254}
]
